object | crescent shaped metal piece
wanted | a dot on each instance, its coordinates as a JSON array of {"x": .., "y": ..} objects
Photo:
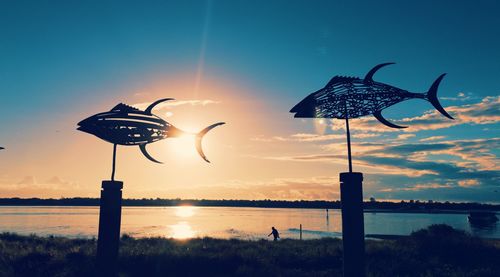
[
  {"x": 199, "y": 137},
  {"x": 432, "y": 97},
  {"x": 150, "y": 107},
  {"x": 145, "y": 153},
  {"x": 379, "y": 117},
  {"x": 369, "y": 75}
]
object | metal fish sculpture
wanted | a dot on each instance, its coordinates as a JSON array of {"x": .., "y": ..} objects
[
  {"x": 351, "y": 97},
  {"x": 126, "y": 125}
]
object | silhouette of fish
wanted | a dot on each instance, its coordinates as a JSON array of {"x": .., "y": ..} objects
[
  {"x": 126, "y": 125},
  {"x": 351, "y": 97},
  {"x": 1, "y": 148}
]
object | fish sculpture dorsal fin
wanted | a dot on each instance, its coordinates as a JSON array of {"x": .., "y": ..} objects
[
  {"x": 369, "y": 75},
  {"x": 124, "y": 108},
  {"x": 150, "y": 107}
]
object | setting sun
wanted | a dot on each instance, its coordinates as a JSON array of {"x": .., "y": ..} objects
[{"x": 182, "y": 147}]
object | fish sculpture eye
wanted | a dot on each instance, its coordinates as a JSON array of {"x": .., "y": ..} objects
[{"x": 129, "y": 126}]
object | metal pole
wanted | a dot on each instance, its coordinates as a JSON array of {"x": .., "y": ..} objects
[
  {"x": 110, "y": 213},
  {"x": 114, "y": 161},
  {"x": 348, "y": 139},
  {"x": 353, "y": 233}
]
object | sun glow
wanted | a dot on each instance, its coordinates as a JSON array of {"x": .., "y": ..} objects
[{"x": 183, "y": 147}]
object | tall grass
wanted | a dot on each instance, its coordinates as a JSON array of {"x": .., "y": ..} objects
[{"x": 436, "y": 251}]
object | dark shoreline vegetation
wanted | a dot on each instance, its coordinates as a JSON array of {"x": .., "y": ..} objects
[
  {"x": 438, "y": 250},
  {"x": 369, "y": 206}
]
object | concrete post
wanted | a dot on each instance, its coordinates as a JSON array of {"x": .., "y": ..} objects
[
  {"x": 109, "y": 227},
  {"x": 353, "y": 231}
]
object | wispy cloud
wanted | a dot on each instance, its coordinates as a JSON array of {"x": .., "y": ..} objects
[
  {"x": 474, "y": 164},
  {"x": 308, "y": 137},
  {"x": 405, "y": 136},
  {"x": 176, "y": 103},
  {"x": 53, "y": 182},
  {"x": 433, "y": 138},
  {"x": 30, "y": 186},
  {"x": 315, "y": 188},
  {"x": 315, "y": 137},
  {"x": 468, "y": 183},
  {"x": 418, "y": 187},
  {"x": 461, "y": 96},
  {"x": 387, "y": 169}
]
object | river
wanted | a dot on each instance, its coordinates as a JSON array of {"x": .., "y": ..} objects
[{"x": 220, "y": 222}]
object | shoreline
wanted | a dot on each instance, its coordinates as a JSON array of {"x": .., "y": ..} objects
[
  {"x": 368, "y": 237},
  {"x": 435, "y": 251},
  {"x": 409, "y": 211},
  {"x": 412, "y": 206}
]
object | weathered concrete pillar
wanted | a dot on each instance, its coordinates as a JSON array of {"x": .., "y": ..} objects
[
  {"x": 353, "y": 231},
  {"x": 109, "y": 227}
]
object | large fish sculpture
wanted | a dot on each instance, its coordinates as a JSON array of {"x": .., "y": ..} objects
[
  {"x": 126, "y": 125},
  {"x": 351, "y": 97}
]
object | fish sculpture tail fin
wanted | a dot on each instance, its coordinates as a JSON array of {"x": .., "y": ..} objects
[
  {"x": 432, "y": 97},
  {"x": 199, "y": 137}
]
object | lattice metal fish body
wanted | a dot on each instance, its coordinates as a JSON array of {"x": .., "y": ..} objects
[
  {"x": 126, "y": 125},
  {"x": 351, "y": 97}
]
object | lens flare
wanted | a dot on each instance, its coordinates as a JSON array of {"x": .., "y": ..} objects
[{"x": 320, "y": 126}]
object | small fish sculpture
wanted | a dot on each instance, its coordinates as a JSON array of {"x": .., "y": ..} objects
[
  {"x": 126, "y": 125},
  {"x": 351, "y": 97}
]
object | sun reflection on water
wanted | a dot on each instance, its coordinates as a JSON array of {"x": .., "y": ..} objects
[
  {"x": 185, "y": 211},
  {"x": 182, "y": 230}
]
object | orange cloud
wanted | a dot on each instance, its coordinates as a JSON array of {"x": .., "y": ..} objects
[
  {"x": 468, "y": 183},
  {"x": 176, "y": 103},
  {"x": 433, "y": 138},
  {"x": 418, "y": 187}
]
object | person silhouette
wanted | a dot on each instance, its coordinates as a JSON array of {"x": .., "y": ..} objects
[{"x": 275, "y": 234}]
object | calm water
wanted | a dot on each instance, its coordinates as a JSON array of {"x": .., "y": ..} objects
[{"x": 220, "y": 222}]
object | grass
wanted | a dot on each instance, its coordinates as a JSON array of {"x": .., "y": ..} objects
[{"x": 436, "y": 251}]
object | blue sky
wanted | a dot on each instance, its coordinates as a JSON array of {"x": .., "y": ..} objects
[{"x": 63, "y": 59}]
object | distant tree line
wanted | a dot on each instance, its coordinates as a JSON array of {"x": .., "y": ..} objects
[{"x": 403, "y": 206}]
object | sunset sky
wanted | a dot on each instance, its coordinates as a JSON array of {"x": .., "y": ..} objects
[{"x": 247, "y": 63}]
